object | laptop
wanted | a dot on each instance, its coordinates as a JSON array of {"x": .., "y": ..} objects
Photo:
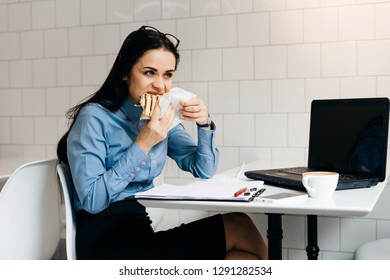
[{"x": 348, "y": 136}]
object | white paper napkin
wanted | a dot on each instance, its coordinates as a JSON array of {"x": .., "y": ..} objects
[{"x": 174, "y": 97}]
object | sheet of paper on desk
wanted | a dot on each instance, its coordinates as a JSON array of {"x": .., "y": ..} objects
[
  {"x": 283, "y": 197},
  {"x": 203, "y": 190}
]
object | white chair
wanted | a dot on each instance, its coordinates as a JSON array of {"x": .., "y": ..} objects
[
  {"x": 66, "y": 184},
  {"x": 374, "y": 250},
  {"x": 30, "y": 212}
]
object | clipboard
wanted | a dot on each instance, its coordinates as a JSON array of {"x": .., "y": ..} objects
[{"x": 207, "y": 190}]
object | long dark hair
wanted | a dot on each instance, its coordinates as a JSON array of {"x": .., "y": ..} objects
[{"x": 114, "y": 90}]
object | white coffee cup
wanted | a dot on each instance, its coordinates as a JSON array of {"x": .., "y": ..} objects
[{"x": 320, "y": 184}]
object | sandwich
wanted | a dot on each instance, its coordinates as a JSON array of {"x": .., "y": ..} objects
[{"x": 148, "y": 102}]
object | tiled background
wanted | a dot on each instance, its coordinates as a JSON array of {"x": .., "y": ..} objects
[{"x": 257, "y": 64}]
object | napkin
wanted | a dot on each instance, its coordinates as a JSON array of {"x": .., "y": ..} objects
[{"x": 174, "y": 97}]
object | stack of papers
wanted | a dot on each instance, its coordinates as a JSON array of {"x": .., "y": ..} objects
[{"x": 217, "y": 190}]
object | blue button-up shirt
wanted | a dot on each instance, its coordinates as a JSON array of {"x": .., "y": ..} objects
[{"x": 108, "y": 166}]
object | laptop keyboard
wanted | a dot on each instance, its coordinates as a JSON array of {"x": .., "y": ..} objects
[
  {"x": 300, "y": 170},
  {"x": 297, "y": 170}
]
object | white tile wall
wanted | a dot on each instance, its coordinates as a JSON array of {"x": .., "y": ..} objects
[
  {"x": 373, "y": 58},
  {"x": 358, "y": 87},
  {"x": 339, "y": 59},
  {"x": 246, "y": 22},
  {"x": 362, "y": 230},
  {"x": 32, "y": 44},
  {"x": 57, "y": 100},
  {"x": 69, "y": 71},
  {"x": 45, "y": 72},
  {"x": 255, "y": 96},
  {"x": 271, "y": 130},
  {"x": 319, "y": 88},
  {"x": 93, "y": 12},
  {"x": 81, "y": 41},
  {"x": 304, "y": 61},
  {"x": 19, "y": 16},
  {"x": 43, "y": 14},
  {"x": 237, "y": 63},
  {"x": 256, "y": 63},
  {"x": 294, "y": 231},
  {"x": 382, "y": 21},
  {"x": 33, "y": 102},
  {"x": 147, "y": 10},
  {"x": 221, "y": 31},
  {"x": 3, "y": 18},
  {"x": 205, "y": 7},
  {"x": 119, "y": 11},
  {"x": 286, "y": 27},
  {"x": 329, "y": 234},
  {"x": 192, "y": 33},
  {"x": 288, "y": 95},
  {"x": 94, "y": 70},
  {"x": 67, "y": 13},
  {"x": 236, "y": 6},
  {"x": 20, "y": 73},
  {"x": 10, "y": 46},
  {"x": 241, "y": 126},
  {"x": 321, "y": 25},
  {"x": 56, "y": 42},
  {"x": 207, "y": 65},
  {"x": 270, "y": 62},
  {"x": 356, "y": 22}
]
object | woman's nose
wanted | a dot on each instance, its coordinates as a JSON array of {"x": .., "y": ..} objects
[{"x": 158, "y": 83}]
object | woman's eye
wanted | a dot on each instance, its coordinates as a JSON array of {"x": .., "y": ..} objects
[
  {"x": 149, "y": 73},
  {"x": 169, "y": 75}
]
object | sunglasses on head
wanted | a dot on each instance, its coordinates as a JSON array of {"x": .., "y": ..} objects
[{"x": 154, "y": 33}]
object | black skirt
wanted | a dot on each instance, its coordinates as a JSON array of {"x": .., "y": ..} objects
[{"x": 123, "y": 231}]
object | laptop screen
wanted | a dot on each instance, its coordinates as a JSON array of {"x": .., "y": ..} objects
[{"x": 349, "y": 135}]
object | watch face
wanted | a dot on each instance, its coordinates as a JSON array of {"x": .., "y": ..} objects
[{"x": 207, "y": 124}]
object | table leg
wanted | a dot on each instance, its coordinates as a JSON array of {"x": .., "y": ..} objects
[
  {"x": 312, "y": 248},
  {"x": 275, "y": 236}
]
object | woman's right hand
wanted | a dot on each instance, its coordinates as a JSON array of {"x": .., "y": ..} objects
[{"x": 156, "y": 129}]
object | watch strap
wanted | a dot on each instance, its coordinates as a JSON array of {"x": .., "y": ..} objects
[{"x": 207, "y": 124}]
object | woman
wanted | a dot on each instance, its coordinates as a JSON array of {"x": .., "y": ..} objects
[{"x": 113, "y": 154}]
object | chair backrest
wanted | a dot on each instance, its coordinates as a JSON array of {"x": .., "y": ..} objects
[
  {"x": 66, "y": 183},
  {"x": 30, "y": 223}
]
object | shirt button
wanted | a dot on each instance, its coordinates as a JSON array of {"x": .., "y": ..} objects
[
  {"x": 132, "y": 174},
  {"x": 138, "y": 169},
  {"x": 143, "y": 163},
  {"x": 139, "y": 187},
  {"x": 154, "y": 161}
]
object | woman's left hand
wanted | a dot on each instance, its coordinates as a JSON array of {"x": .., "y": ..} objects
[{"x": 194, "y": 110}]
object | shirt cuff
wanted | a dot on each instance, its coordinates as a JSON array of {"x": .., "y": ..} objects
[
  {"x": 133, "y": 161},
  {"x": 206, "y": 140}
]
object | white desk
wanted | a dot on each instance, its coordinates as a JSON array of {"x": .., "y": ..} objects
[{"x": 358, "y": 202}]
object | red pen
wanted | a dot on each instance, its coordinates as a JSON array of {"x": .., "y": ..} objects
[{"x": 241, "y": 191}]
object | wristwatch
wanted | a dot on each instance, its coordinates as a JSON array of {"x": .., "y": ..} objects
[{"x": 207, "y": 124}]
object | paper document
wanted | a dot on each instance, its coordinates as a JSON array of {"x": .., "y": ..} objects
[
  {"x": 284, "y": 197},
  {"x": 206, "y": 190}
]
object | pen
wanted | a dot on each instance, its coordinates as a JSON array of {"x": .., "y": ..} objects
[
  {"x": 237, "y": 193},
  {"x": 258, "y": 193}
]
